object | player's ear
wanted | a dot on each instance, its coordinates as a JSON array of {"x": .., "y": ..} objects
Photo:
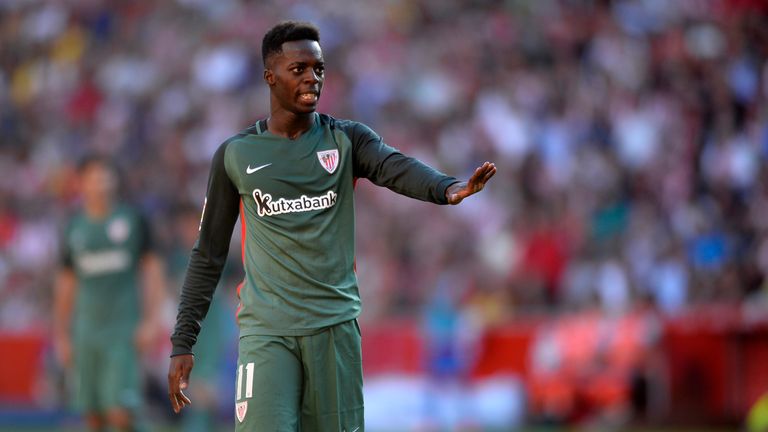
[{"x": 269, "y": 77}]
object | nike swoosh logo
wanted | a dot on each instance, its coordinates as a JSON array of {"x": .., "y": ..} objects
[
  {"x": 250, "y": 170},
  {"x": 356, "y": 429}
]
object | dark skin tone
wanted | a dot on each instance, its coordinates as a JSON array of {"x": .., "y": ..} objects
[{"x": 295, "y": 79}]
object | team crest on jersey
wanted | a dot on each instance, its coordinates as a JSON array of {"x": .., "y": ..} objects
[
  {"x": 118, "y": 230},
  {"x": 240, "y": 409},
  {"x": 329, "y": 159}
]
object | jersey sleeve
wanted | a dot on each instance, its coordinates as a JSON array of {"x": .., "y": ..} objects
[
  {"x": 386, "y": 166},
  {"x": 65, "y": 251},
  {"x": 145, "y": 231},
  {"x": 209, "y": 254}
]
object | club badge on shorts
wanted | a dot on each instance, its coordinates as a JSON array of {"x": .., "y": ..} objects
[
  {"x": 240, "y": 409},
  {"x": 329, "y": 159}
]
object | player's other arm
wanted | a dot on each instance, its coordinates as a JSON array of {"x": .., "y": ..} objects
[
  {"x": 153, "y": 290},
  {"x": 205, "y": 266},
  {"x": 64, "y": 292},
  {"x": 386, "y": 166}
]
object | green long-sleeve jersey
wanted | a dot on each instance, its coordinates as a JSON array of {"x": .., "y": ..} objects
[
  {"x": 104, "y": 255},
  {"x": 296, "y": 205}
]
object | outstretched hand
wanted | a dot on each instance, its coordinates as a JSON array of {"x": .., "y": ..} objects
[
  {"x": 458, "y": 191},
  {"x": 178, "y": 380}
]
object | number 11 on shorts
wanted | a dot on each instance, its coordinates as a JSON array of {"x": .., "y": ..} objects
[{"x": 248, "y": 381}]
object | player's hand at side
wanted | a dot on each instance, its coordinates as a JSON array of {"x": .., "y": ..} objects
[
  {"x": 458, "y": 191},
  {"x": 146, "y": 335},
  {"x": 178, "y": 380},
  {"x": 63, "y": 348}
]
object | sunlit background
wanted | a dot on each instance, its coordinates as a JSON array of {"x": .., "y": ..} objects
[{"x": 612, "y": 274}]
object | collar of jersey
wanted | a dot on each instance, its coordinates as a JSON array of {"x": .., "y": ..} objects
[{"x": 307, "y": 132}]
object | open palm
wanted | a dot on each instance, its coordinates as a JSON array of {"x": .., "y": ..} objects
[{"x": 458, "y": 191}]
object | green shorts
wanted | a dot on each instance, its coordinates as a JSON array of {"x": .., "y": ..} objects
[
  {"x": 301, "y": 383},
  {"x": 106, "y": 375}
]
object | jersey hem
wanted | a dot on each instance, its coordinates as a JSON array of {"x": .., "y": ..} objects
[{"x": 262, "y": 331}]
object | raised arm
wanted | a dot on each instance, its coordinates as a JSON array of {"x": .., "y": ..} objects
[
  {"x": 205, "y": 266},
  {"x": 386, "y": 166}
]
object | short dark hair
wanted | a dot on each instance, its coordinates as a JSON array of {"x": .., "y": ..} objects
[
  {"x": 286, "y": 31},
  {"x": 92, "y": 159}
]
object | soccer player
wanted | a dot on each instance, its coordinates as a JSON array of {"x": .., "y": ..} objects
[
  {"x": 290, "y": 178},
  {"x": 101, "y": 320}
]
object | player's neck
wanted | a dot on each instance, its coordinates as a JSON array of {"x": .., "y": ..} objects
[
  {"x": 289, "y": 125},
  {"x": 97, "y": 209}
]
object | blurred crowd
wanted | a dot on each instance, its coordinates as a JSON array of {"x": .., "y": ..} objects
[{"x": 630, "y": 139}]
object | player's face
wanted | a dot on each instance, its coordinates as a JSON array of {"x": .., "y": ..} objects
[
  {"x": 98, "y": 182},
  {"x": 295, "y": 77}
]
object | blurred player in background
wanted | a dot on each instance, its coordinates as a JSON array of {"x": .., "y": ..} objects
[
  {"x": 104, "y": 315},
  {"x": 290, "y": 177}
]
